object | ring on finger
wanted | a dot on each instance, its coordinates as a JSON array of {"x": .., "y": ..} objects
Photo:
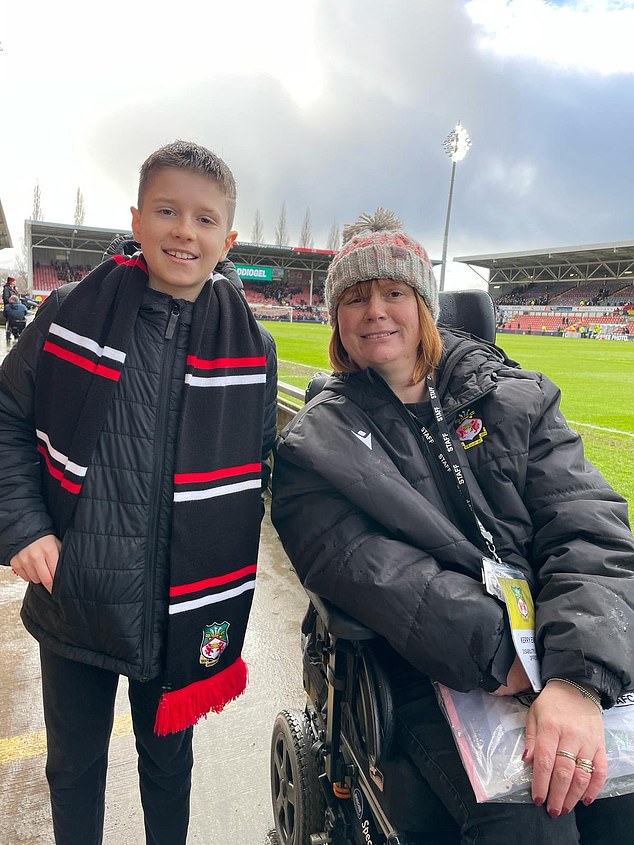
[
  {"x": 584, "y": 764},
  {"x": 567, "y": 754}
]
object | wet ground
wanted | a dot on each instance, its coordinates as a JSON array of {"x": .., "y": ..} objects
[
  {"x": 231, "y": 802},
  {"x": 230, "y": 798}
]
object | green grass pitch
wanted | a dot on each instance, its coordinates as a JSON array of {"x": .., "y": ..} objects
[{"x": 596, "y": 380}]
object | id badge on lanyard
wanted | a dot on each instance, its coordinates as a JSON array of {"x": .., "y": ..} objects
[
  {"x": 508, "y": 584},
  {"x": 501, "y": 580}
]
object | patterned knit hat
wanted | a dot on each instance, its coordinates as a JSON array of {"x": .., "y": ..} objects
[{"x": 375, "y": 247}]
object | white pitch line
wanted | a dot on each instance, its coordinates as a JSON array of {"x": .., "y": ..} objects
[
  {"x": 603, "y": 428},
  {"x": 296, "y": 364},
  {"x": 571, "y": 422}
]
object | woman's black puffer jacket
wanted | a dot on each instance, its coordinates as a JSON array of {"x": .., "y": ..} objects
[
  {"x": 367, "y": 524},
  {"x": 108, "y": 605}
]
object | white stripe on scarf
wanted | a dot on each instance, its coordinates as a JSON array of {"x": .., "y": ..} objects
[
  {"x": 224, "y": 381},
  {"x": 76, "y": 469},
  {"x": 87, "y": 343},
  {"x": 227, "y": 594},
  {"x": 212, "y": 492}
]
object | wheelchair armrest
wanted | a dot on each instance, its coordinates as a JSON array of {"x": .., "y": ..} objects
[{"x": 338, "y": 623}]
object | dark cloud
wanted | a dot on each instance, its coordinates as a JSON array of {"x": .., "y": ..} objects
[{"x": 550, "y": 162}]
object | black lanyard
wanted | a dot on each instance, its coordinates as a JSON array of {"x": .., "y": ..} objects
[{"x": 444, "y": 452}]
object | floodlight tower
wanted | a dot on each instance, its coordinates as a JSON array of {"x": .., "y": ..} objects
[{"x": 456, "y": 145}]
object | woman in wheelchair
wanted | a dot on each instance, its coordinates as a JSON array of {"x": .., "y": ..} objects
[
  {"x": 15, "y": 317},
  {"x": 428, "y": 454}
]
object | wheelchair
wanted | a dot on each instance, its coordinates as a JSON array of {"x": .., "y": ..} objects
[
  {"x": 337, "y": 776},
  {"x": 14, "y": 329}
]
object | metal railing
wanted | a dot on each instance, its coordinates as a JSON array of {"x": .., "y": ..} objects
[{"x": 289, "y": 401}]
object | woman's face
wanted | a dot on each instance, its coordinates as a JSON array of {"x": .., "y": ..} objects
[{"x": 381, "y": 328}]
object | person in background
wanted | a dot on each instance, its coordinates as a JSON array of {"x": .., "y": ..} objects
[
  {"x": 8, "y": 290},
  {"x": 15, "y": 316},
  {"x": 427, "y": 452},
  {"x": 136, "y": 412}
]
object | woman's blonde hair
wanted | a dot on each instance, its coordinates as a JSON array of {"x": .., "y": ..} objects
[{"x": 429, "y": 348}]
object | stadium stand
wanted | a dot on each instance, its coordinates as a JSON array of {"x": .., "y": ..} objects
[
  {"x": 533, "y": 291},
  {"x": 584, "y": 291}
]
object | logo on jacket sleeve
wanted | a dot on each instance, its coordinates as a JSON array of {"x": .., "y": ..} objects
[
  {"x": 214, "y": 642},
  {"x": 365, "y": 437},
  {"x": 470, "y": 429}
]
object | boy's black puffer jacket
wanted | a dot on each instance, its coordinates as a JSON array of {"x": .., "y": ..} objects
[
  {"x": 109, "y": 601},
  {"x": 367, "y": 524}
]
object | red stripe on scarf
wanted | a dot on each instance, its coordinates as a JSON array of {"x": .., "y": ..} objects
[
  {"x": 196, "y": 586},
  {"x": 178, "y": 709},
  {"x": 80, "y": 361},
  {"x": 213, "y": 475},
  {"x": 71, "y": 486},
  {"x": 217, "y": 363},
  {"x": 138, "y": 261}
]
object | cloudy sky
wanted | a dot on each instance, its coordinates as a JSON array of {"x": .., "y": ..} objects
[{"x": 333, "y": 105}]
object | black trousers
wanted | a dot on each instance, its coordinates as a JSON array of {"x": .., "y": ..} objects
[
  {"x": 423, "y": 733},
  {"x": 79, "y": 713}
]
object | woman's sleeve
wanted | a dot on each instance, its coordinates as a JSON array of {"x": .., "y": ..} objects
[
  {"x": 583, "y": 551},
  {"x": 23, "y": 514},
  {"x": 440, "y": 621}
]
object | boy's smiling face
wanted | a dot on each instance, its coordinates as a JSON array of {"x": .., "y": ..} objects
[{"x": 183, "y": 229}]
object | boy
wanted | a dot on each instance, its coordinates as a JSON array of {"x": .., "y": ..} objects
[{"x": 131, "y": 427}]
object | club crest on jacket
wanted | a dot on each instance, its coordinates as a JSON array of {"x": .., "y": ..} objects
[
  {"x": 470, "y": 429},
  {"x": 214, "y": 642}
]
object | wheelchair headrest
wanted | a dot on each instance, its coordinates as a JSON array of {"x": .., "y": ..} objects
[{"x": 469, "y": 311}]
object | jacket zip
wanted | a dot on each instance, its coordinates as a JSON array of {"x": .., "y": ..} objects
[{"x": 160, "y": 438}]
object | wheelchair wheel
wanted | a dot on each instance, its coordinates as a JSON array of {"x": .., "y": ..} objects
[{"x": 298, "y": 802}]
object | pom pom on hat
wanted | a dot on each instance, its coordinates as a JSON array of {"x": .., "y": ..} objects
[{"x": 375, "y": 247}]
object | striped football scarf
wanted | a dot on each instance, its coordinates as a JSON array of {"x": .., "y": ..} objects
[{"x": 216, "y": 500}]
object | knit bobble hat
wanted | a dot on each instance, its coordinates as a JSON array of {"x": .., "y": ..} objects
[{"x": 375, "y": 247}]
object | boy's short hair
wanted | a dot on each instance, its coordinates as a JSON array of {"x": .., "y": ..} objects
[{"x": 189, "y": 156}]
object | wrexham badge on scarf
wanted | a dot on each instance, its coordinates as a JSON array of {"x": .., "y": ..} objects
[{"x": 216, "y": 492}]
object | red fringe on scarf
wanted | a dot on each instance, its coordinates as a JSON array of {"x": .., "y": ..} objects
[{"x": 181, "y": 708}]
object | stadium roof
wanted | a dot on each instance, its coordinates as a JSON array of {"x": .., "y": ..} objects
[
  {"x": 66, "y": 237},
  {"x": 289, "y": 257},
  {"x": 595, "y": 262},
  {"x": 5, "y": 235}
]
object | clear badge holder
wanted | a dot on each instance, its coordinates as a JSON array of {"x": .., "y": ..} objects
[{"x": 508, "y": 584}]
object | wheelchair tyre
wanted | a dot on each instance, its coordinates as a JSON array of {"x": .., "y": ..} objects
[{"x": 298, "y": 801}]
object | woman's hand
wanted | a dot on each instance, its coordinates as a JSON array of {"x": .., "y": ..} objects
[
  {"x": 37, "y": 562},
  {"x": 562, "y": 720}
]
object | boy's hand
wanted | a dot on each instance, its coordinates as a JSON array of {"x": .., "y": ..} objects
[{"x": 37, "y": 562}]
